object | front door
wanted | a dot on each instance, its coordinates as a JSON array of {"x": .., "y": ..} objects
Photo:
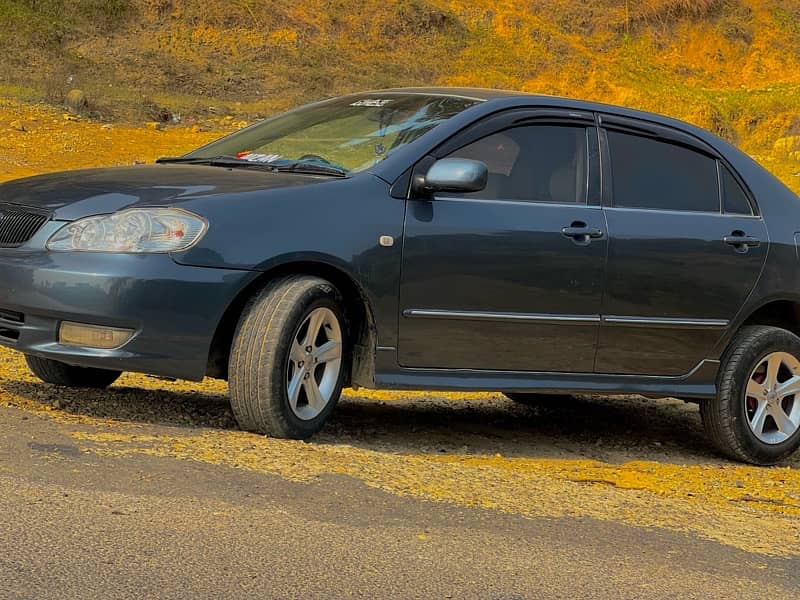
[
  {"x": 685, "y": 249},
  {"x": 509, "y": 278}
]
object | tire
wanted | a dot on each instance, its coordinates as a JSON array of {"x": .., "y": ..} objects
[
  {"x": 268, "y": 359},
  {"x": 58, "y": 373},
  {"x": 531, "y": 399},
  {"x": 735, "y": 421}
]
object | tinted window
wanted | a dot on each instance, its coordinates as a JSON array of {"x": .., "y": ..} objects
[
  {"x": 539, "y": 163},
  {"x": 648, "y": 173},
  {"x": 735, "y": 198}
]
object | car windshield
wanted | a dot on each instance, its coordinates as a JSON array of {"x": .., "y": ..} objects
[{"x": 351, "y": 134}]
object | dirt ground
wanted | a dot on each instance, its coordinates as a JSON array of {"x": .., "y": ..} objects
[
  {"x": 85, "y": 524},
  {"x": 38, "y": 138},
  {"x": 623, "y": 461},
  {"x": 626, "y": 459}
]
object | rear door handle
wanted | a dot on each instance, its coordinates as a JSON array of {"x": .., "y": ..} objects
[
  {"x": 580, "y": 233},
  {"x": 741, "y": 242}
]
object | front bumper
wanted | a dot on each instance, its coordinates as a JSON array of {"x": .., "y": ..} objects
[{"x": 174, "y": 309}]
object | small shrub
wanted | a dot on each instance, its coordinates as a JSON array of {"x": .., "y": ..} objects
[
  {"x": 665, "y": 13},
  {"x": 794, "y": 127},
  {"x": 672, "y": 10},
  {"x": 418, "y": 17},
  {"x": 714, "y": 120},
  {"x": 154, "y": 112},
  {"x": 107, "y": 13},
  {"x": 788, "y": 20}
]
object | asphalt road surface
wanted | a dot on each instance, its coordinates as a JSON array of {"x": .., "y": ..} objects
[{"x": 83, "y": 524}]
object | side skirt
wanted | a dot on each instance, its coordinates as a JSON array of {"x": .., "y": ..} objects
[{"x": 700, "y": 383}]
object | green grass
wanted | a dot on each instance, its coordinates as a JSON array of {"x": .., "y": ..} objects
[{"x": 50, "y": 22}]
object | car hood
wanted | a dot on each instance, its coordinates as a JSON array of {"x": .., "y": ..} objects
[{"x": 74, "y": 194}]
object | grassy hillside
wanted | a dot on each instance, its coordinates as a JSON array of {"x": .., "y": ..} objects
[{"x": 728, "y": 65}]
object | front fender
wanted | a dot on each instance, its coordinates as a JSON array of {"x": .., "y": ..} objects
[{"x": 336, "y": 223}]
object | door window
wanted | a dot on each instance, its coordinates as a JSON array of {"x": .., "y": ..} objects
[
  {"x": 735, "y": 199},
  {"x": 537, "y": 163},
  {"x": 653, "y": 174}
]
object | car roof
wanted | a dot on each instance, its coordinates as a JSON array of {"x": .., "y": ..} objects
[
  {"x": 485, "y": 94},
  {"x": 496, "y": 100},
  {"x": 458, "y": 92},
  {"x": 492, "y": 100},
  {"x": 509, "y": 98}
]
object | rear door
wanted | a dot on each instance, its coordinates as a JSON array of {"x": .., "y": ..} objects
[{"x": 686, "y": 247}]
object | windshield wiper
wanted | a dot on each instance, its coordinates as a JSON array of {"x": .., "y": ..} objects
[
  {"x": 214, "y": 161},
  {"x": 308, "y": 167},
  {"x": 303, "y": 167}
]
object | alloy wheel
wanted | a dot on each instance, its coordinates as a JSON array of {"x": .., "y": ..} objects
[
  {"x": 772, "y": 398},
  {"x": 315, "y": 359}
]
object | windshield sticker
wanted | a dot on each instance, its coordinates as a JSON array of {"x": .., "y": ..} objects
[
  {"x": 372, "y": 102},
  {"x": 262, "y": 158}
]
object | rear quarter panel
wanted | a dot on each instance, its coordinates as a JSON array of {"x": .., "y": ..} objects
[{"x": 780, "y": 208}]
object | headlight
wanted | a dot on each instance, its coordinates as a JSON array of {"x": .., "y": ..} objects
[{"x": 137, "y": 230}]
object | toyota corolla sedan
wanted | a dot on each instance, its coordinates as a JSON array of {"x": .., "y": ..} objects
[{"x": 451, "y": 239}]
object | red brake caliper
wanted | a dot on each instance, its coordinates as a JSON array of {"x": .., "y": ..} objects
[{"x": 752, "y": 403}]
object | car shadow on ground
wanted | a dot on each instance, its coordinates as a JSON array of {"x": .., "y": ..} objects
[
  {"x": 617, "y": 429},
  {"x": 610, "y": 429}
]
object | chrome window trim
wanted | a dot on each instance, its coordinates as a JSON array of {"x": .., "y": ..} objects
[
  {"x": 443, "y": 198},
  {"x": 682, "y": 212}
]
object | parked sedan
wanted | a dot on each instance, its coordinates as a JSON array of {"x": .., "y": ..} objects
[{"x": 453, "y": 239}]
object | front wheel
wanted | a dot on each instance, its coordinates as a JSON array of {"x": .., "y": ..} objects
[
  {"x": 58, "y": 373},
  {"x": 287, "y": 362},
  {"x": 756, "y": 415}
]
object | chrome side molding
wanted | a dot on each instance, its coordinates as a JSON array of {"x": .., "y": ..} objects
[
  {"x": 476, "y": 315},
  {"x": 610, "y": 320},
  {"x": 664, "y": 322}
]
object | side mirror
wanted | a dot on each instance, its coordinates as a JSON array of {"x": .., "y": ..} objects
[{"x": 453, "y": 175}]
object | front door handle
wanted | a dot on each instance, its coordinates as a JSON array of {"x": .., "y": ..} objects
[
  {"x": 580, "y": 233},
  {"x": 740, "y": 241}
]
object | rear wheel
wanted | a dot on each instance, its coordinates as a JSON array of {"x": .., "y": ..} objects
[
  {"x": 756, "y": 415},
  {"x": 287, "y": 363},
  {"x": 58, "y": 373}
]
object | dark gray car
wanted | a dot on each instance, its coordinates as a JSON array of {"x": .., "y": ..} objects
[{"x": 451, "y": 239}]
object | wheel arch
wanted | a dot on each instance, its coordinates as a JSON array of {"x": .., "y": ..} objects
[
  {"x": 783, "y": 312},
  {"x": 358, "y": 313},
  {"x": 779, "y": 312}
]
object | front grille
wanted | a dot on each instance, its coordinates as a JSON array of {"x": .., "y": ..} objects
[{"x": 19, "y": 224}]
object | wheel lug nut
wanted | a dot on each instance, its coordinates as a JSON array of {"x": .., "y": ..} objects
[
  {"x": 308, "y": 348},
  {"x": 300, "y": 364},
  {"x": 305, "y": 376}
]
